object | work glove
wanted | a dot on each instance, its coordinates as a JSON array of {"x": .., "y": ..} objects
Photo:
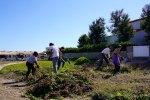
[{"x": 38, "y": 66}]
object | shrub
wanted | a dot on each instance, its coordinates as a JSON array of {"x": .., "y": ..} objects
[
  {"x": 71, "y": 50},
  {"x": 123, "y": 44},
  {"x": 82, "y": 60},
  {"x": 86, "y": 48},
  {"x": 125, "y": 69}
]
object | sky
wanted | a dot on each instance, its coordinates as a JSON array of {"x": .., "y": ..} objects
[{"x": 30, "y": 25}]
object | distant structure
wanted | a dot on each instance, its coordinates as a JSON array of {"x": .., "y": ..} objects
[
  {"x": 140, "y": 35},
  {"x": 15, "y": 55}
]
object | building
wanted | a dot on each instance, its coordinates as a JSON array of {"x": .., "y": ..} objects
[
  {"x": 140, "y": 35},
  {"x": 15, "y": 55}
]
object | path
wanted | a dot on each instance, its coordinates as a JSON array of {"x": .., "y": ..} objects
[
  {"x": 10, "y": 63},
  {"x": 9, "y": 89}
]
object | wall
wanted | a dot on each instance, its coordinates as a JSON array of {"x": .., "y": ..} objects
[
  {"x": 138, "y": 53},
  {"x": 89, "y": 55}
]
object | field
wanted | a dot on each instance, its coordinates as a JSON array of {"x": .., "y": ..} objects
[{"x": 83, "y": 82}]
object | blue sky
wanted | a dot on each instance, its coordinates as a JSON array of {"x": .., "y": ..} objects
[{"x": 30, "y": 25}]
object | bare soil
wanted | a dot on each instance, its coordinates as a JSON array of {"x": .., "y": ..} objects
[{"x": 11, "y": 89}]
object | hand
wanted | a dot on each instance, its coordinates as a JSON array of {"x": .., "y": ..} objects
[
  {"x": 38, "y": 66},
  {"x": 110, "y": 58}
]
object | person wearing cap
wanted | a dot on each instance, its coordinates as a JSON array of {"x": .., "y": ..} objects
[
  {"x": 61, "y": 59},
  {"x": 55, "y": 54},
  {"x": 30, "y": 64},
  {"x": 105, "y": 54},
  {"x": 116, "y": 60}
]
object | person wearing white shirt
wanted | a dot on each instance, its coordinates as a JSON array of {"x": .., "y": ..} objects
[
  {"x": 103, "y": 55},
  {"x": 55, "y": 54},
  {"x": 30, "y": 64}
]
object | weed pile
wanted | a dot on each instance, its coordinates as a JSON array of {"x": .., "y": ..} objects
[{"x": 61, "y": 85}]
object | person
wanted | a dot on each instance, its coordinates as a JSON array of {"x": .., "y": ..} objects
[
  {"x": 61, "y": 59},
  {"x": 116, "y": 59},
  {"x": 55, "y": 54},
  {"x": 30, "y": 64},
  {"x": 105, "y": 54}
]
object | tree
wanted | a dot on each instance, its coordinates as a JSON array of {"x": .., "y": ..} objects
[
  {"x": 145, "y": 25},
  {"x": 83, "y": 40},
  {"x": 120, "y": 26},
  {"x": 97, "y": 31}
]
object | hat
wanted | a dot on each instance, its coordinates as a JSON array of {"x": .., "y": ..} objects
[{"x": 51, "y": 44}]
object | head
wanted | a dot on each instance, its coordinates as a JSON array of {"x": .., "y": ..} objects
[
  {"x": 119, "y": 46},
  {"x": 62, "y": 48},
  {"x": 110, "y": 47},
  {"x": 51, "y": 44},
  {"x": 35, "y": 53}
]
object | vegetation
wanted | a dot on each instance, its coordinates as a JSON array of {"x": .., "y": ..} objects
[
  {"x": 82, "y": 60},
  {"x": 83, "y": 40},
  {"x": 73, "y": 81},
  {"x": 146, "y": 20},
  {"x": 120, "y": 26},
  {"x": 86, "y": 48},
  {"x": 97, "y": 33}
]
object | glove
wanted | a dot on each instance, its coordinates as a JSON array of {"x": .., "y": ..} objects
[
  {"x": 38, "y": 66},
  {"x": 110, "y": 58}
]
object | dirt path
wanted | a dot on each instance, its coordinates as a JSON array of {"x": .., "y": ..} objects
[
  {"x": 10, "y": 63},
  {"x": 11, "y": 89}
]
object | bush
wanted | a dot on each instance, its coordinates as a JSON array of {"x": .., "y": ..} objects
[
  {"x": 82, "y": 60},
  {"x": 125, "y": 69},
  {"x": 71, "y": 50},
  {"x": 86, "y": 48},
  {"x": 123, "y": 44}
]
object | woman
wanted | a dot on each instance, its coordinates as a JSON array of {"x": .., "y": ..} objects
[{"x": 116, "y": 60}]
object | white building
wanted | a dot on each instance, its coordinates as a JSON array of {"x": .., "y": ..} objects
[
  {"x": 140, "y": 35},
  {"x": 15, "y": 55}
]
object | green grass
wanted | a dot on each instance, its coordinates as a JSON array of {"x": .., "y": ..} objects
[
  {"x": 128, "y": 85},
  {"x": 6, "y": 62}
]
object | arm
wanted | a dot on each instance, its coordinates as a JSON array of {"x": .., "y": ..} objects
[
  {"x": 37, "y": 64},
  {"x": 51, "y": 52},
  {"x": 108, "y": 53}
]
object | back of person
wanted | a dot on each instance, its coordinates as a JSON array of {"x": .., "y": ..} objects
[
  {"x": 55, "y": 51},
  {"x": 106, "y": 51},
  {"x": 32, "y": 59}
]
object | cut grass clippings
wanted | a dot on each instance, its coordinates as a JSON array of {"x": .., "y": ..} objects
[{"x": 83, "y": 80}]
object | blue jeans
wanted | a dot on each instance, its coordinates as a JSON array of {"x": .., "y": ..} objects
[
  {"x": 55, "y": 60},
  {"x": 102, "y": 56},
  {"x": 60, "y": 62}
]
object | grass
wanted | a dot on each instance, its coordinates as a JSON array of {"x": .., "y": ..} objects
[
  {"x": 6, "y": 62},
  {"x": 130, "y": 84}
]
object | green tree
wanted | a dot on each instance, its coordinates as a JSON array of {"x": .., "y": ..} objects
[
  {"x": 83, "y": 40},
  {"x": 120, "y": 26},
  {"x": 145, "y": 25},
  {"x": 97, "y": 31}
]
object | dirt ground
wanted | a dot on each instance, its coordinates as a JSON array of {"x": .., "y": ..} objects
[{"x": 11, "y": 89}]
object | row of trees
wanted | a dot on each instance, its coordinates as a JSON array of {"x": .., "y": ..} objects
[{"x": 119, "y": 27}]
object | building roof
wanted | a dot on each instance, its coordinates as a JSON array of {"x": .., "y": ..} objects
[
  {"x": 15, "y": 52},
  {"x": 136, "y": 20}
]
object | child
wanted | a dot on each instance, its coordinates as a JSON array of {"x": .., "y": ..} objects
[
  {"x": 116, "y": 60},
  {"x": 30, "y": 64}
]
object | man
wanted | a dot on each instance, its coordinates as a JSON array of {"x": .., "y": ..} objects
[
  {"x": 30, "y": 64},
  {"x": 61, "y": 59},
  {"x": 55, "y": 54},
  {"x": 105, "y": 54}
]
